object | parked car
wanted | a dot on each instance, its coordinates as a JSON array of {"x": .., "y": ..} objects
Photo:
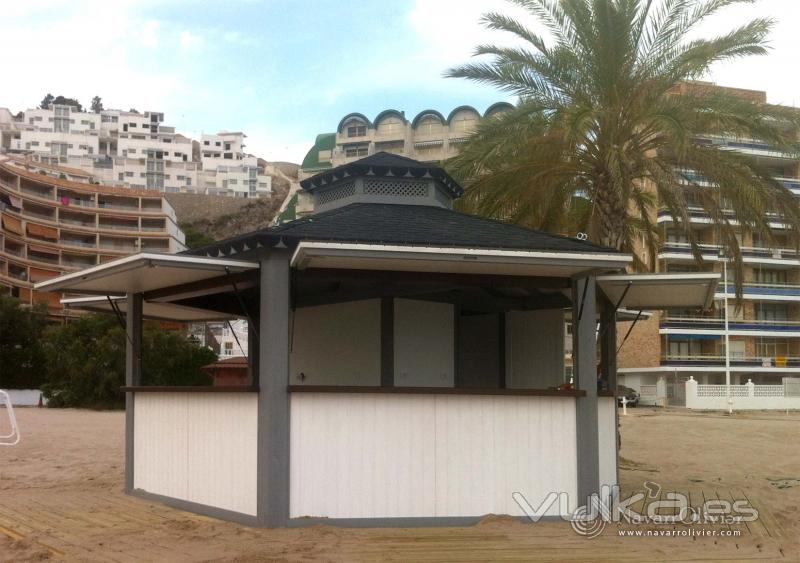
[{"x": 630, "y": 394}]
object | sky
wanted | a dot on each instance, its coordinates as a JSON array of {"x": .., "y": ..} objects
[{"x": 283, "y": 71}]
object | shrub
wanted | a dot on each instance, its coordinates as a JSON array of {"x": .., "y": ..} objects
[
  {"x": 21, "y": 365},
  {"x": 85, "y": 361}
]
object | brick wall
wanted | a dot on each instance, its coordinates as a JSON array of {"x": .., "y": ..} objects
[{"x": 643, "y": 347}]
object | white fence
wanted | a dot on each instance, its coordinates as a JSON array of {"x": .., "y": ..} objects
[
  {"x": 24, "y": 397},
  {"x": 744, "y": 397}
]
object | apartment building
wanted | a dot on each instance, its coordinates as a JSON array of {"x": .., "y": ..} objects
[
  {"x": 227, "y": 169},
  {"x": 54, "y": 221},
  {"x": 764, "y": 329},
  {"x": 428, "y": 137},
  {"x": 132, "y": 149}
]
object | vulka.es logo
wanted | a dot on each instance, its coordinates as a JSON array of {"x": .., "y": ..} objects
[{"x": 670, "y": 508}]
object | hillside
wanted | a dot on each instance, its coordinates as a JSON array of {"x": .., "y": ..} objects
[{"x": 207, "y": 218}]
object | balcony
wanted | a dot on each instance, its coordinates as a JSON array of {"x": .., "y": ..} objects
[
  {"x": 39, "y": 214},
  {"x": 711, "y": 252},
  {"x": 765, "y": 291},
  {"x": 78, "y": 202},
  {"x": 698, "y": 215},
  {"x": 736, "y": 360},
  {"x": 78, "y": 243},
  {"x": 77, "y": 222},
  {"x": 736, "y": 327}
]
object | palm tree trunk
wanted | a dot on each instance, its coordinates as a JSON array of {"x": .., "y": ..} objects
[{"x": 611, "y": 214}]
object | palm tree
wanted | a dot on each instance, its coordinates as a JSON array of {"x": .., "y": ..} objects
[{"x": 609, "y": 125}]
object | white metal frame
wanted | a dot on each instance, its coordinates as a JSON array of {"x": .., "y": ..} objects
[{"x": 13, "y": 438}]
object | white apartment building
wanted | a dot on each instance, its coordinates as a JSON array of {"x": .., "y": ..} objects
[
  {"x": 227, "y": 169},
  {"x": 233, "y": 339},
  {"x": 133, "y": 149}
]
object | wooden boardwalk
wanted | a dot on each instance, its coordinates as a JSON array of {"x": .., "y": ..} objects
[{"x": 109, "y": 526}]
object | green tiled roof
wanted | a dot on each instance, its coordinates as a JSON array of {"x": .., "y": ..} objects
[{"x": 323, "y": 142}]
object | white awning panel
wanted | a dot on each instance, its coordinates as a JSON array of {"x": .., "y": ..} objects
[
  {"x": 150, "y": 309},
  {"x": 454, "y": 260},
  {"x": 143, "y": 272},
  {"x": 660, "y": 291}
]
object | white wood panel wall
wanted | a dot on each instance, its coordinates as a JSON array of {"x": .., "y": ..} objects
[
  {"x": 384, "y": 455},
  {"x": 337, "y": 344},
  {"x": 198, "y": 447},
  {"x": 607, "y": 427},
  {"x": 534, "y": 349},
  {"x": 424, "y": 344}
]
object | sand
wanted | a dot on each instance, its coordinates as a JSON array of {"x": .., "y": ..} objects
[{"x": 60, "y": 499}]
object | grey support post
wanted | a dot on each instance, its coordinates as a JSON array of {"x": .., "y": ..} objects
[
  {"x": 252, "y": 351},
  {"x": 273, "y": 394},
  {"x": 608, "y": 344},
  {"x": 584, "y": 336},
  {"x": 608, "y": 359},
  {"x": 133, "y": 376}
]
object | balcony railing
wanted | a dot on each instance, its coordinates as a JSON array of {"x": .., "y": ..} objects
[
  {"x": 91, "y": 225},
  {"x": 747, "y": 251},
  {"x": 119, "y": 227},
  {"x": 715, "y": 323},
  {"x": 37, "y": 193},
  {"x": 737, "y": 360},
  {"x": 80, "y": 243},
  {"x": 107, "y": 205},
  {"x": 760, "y": 288},
  {"x": 79, "y": 264},
  {"x": 80, "y": 202}
]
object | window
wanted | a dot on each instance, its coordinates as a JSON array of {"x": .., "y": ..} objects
[
  {"x": 131, "y": 125},
  {"x": 131, "y": 151},
  {"x": 233, "y": 182},
  {"x": 217, "y": 144},
  {"x": 772, "y": 312},
  {"x": 356, "y": 130},
  {"x": 121, "y": 176},
  {"x": 773, "y": 277},
  {"x": 685, "y": 348},
  {"x": 358, "y": 150},
  {"x": 129, "y": 174},
  {"x": 429, "y": 126},
  {"x": 464, "y": 122},
  {"x": 205, "y": 143},
  {"x": 61, "y": 119},
  {"x": 227, "y": 146},
  {"x": 677, "y": 236},
  {"x": 772, "y": 347},
  {"x": 390, "y": 125},
  {"x": 34, "y": 143},
  {"x": 228, "y": 156}
]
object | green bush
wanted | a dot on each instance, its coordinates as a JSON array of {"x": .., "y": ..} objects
[
  {"x": 85, "y": 361},
  {"x": 82, "y": 363},
  {"x": 21, "y": 363}
]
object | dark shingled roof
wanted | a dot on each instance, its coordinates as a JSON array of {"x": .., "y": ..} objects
[
  {"x": 416, "y": 225},
  {"x": 383, "y": 164}
]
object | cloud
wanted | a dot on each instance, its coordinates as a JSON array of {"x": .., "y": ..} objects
[
  {"x": 150, "y": 33},
  {"x": 190, "y": 41},
  {"x": 98, "y": 55}
]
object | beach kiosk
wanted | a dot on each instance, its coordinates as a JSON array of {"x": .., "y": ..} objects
[{"x": 407, "y": 361}]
